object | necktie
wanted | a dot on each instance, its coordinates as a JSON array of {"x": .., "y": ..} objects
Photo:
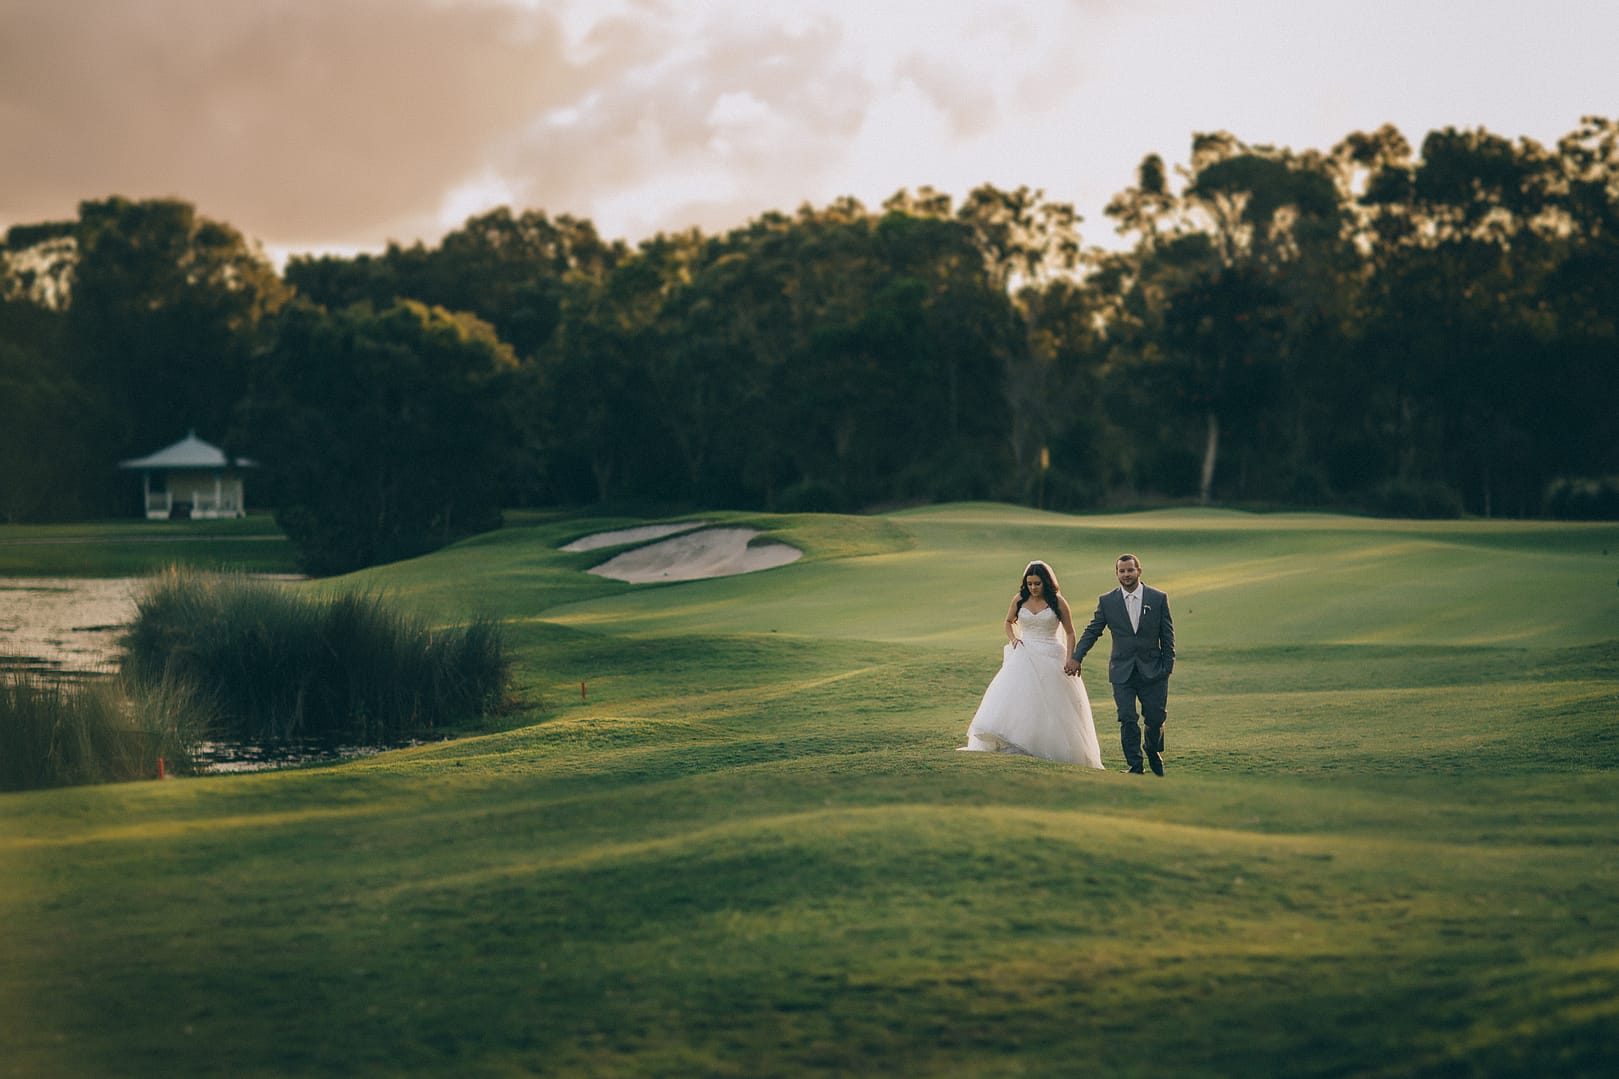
[{"x": 1131, "y": 599}]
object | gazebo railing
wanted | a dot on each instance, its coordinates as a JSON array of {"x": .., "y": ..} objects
[{"x": 162, "y": 504}]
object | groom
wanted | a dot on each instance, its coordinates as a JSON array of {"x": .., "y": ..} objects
[{"x": 1143, "y": 656}]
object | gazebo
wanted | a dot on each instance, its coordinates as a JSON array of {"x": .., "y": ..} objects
[{"x": 191, "y": 479}]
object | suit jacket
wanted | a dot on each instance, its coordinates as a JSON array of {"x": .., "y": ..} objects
[{"x": 1149, "y": 648}]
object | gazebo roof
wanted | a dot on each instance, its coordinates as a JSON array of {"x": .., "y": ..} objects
[{"x": 189, "y": 452}]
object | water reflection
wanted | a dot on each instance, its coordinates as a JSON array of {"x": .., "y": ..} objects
[
  {"x": 217, "y": 758},
  {"x": 65, "y": 625}
]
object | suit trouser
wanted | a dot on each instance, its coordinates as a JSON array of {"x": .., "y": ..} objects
[{"x": 1154, "y": 699}]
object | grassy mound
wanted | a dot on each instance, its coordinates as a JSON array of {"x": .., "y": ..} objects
[{"x": 748, "y": 847}]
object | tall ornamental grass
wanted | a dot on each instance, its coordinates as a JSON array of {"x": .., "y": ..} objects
[
  {"x": 55, "y": 733},
  {"x": 274, "y": 665}
]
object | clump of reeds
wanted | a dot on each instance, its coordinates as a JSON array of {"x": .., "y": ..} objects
[
  {"x": 56, "y": 733},
  {"x": 275, "y": 664}
]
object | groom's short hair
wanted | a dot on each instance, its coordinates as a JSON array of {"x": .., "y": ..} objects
[{"x": 1127, "y": 558}]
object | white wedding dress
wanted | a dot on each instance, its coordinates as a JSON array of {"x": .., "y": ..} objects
[{"x": 1031, "y": 707}]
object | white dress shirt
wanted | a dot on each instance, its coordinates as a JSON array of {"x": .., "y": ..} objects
[{"x": 1132, "y": 604}]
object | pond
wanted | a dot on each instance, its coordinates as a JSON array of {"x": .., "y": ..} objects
[
  {"x": 64, "y": 625},
  {"x": 69, "y": 627}
]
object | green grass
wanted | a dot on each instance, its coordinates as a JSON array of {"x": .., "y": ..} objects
[
  {"x": 1385, "y": 846},
  {"x": 132, "y": 548}
]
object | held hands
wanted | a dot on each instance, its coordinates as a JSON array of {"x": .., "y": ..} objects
[{"x": 1071, "y": 667}]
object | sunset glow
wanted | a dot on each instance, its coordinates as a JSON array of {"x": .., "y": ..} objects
[{"x": 339, "y": 126}]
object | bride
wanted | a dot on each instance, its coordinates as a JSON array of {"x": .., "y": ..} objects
[{"x": 1031, "y": 707}]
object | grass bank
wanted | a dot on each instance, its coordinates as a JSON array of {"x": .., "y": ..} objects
[
  {"x": 1384, "y": 847},
  {"x": 132, "y": 548}
]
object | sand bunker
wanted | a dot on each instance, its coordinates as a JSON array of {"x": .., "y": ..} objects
[
  {"x": 714, "y": 552},
  {"x": 629, "y": 535}
]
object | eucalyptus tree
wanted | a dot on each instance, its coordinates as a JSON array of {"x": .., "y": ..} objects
[
  {"x": 905, "y": 337},
  {"x": 511, "y": 270},
  {"x": 827, "y": 358},
  {"x": 1582, "y": 298},
  {"x": 164, "y": 311},
  {"x": 36, "y": 263},
  {"x": 542, "y": 283},
  {"x": 1232, "y": 274},
  {"x": 50, "y": 414},
  {"x": 48, "y": 439},
  {"x": 1065, "y": 440},
  {"x": 1462, "y": 240},
  {"x": 608, "y": 399},
  {"x": 1375, "y": 405},
  {"x": 729, "y": 331},
  {"x": 1024, "y": 237},
  {"x": 939, "y": 336},
  {"x": 766, "y": 388},
  {"x": 1031, "y": 249}
]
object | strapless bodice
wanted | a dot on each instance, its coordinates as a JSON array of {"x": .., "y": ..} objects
[{"x": 1038, "y": 625}]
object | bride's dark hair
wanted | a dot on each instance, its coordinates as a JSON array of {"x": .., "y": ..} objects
[{"x": 1047, "y": 578}]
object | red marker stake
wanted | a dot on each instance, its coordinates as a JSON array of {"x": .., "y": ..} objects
[
  {"x": 160, "y": 774},
  {"x": 581, "y": 691}
]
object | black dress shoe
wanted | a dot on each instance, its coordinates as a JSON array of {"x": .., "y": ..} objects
[
  {"x": 1157, "y": 763},
  {"x": 1136, "y": 771}
]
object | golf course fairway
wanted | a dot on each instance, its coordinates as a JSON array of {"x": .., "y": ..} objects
[{"x": 726, "y": 831}]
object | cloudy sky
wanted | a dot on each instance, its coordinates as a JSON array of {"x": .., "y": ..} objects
[{"x": 341, "y": 124}]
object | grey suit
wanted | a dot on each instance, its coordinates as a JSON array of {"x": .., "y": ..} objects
[{"x": 1143, "y": 658}]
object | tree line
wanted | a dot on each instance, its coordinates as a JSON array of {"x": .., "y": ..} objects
[{"x": 1407, "y": 330}]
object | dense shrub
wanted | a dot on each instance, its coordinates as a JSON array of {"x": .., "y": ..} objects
[
  {"x": 412, "y": 405},
  {"x": 809, "y": 496},
  {"x": 276, "y": 665},
  {"x": 55, "y": 733},
  {"x": 1064, "y": 491},
  {"x": 1571, "y": 498},
  {"x": 1413, "y": 498}
]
